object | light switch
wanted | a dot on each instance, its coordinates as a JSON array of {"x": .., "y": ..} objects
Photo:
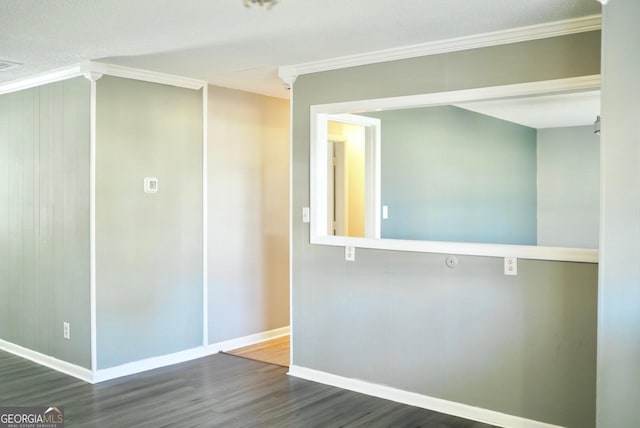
[
  {"x": 150, "y": 185},
  {"x": 305, "y": 215},
  {"x": 385, "y": 212}
]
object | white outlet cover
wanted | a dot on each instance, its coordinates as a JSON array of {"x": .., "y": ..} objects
[
  {"x": 511, "y": 266},
  {"x": 150, "y": 185},
  {"x": 350, "y": 254}
]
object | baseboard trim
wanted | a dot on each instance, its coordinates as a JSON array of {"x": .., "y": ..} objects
[
  {"x": 184, "y": 356},
  {"x": 76, "y": 371},
  {"x": 139, "y": 366},
  {"x": 147, "y": 364},
  {"x": 252, "y": 339},
  {"x": 418, "y": 400}
]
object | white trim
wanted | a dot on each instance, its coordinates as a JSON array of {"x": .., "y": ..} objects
[
  {"x": 318, "y": 234},
  {"x": 292, "y": 218},
  {"x": 96, "y": 376},
  {"x": 372, "y": 148},
  {"x": 418, "y": 400},
  {"x": 100, "y": 68},
  {"x": 579, "y": 255},
  {"x": 205, "y": 215},
  {"x": 144, "y": 75},
  {"x": 183, "y": 356},
  {"x": 571, "y": 84},
  {"x": 92, "y": 222},
  {"x": 52, "y": 76},
  {"x": 47, "y": 361},
  {"x": 150, "y": 364},
  {"x": 252, "y": 339},
  {"x": 514, "y": 35}
]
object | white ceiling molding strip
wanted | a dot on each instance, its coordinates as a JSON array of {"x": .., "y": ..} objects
[
  {"x": 42, "y": 79},
  {"x": 533, "y": 32},
  {"x": 93, "y": 68},
  {"x": 144, "y": 75}
]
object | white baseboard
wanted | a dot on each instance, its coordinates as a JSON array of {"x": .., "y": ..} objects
[
  {"x": 183, "y": 356},
  {"x": 47, "y": 361},
  {"x": 147, "y": 364},
  {"x": 413, "y": 399},
  {"x": 240, "y": 342},
  {"x": 140, "y": 365}
]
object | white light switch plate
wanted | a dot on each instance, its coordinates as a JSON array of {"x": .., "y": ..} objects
[
  {"x": 150, "y": 185},
  {"x": 306, "y": 216}
]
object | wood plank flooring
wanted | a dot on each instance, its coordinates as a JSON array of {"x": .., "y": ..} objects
[
  {"x": 216, "y": 391},
  {"x": 274, "y": 351}
]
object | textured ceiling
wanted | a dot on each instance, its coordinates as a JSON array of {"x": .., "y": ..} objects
[{"x": 229, "y": 45}]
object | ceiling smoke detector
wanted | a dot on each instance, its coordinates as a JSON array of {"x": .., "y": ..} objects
[
  {"x": 8, "y": 65},
  {"x": 268, "y": 3}
]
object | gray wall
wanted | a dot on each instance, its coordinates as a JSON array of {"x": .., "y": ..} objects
[
  {"x": 568, "y": 187},
  {"x": 148, "y": 246},
  {"x": 450, "y": 174},
  {"x": 248, "y": 185},
  {"x": 521, "y": 345},
  {"x": 619, "y": 294},
  {"x": 44, "y": 219}
]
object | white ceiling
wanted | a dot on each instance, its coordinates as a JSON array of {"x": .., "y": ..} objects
[
  {"x": 546, "y": 111},
  {"x": 229, "y": 45}
]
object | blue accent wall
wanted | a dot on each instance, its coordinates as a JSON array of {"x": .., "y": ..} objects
[{"x": 450, "y": 174}]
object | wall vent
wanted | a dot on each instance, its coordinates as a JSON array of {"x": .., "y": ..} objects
[{"x": 8, "y": 65}]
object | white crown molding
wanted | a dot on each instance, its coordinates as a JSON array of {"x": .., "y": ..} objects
[
  {"x": 144, "y": 75},
  {"x": 93, "y": 70},
  {"x": 533, "y": 32},
  {"x": 52, "y": 76},
  {"x": 47, "y": 361},
  {"x": 418, "y": 400}
]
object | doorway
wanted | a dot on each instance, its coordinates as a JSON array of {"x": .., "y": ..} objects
[{"x": 273, "y": 351}]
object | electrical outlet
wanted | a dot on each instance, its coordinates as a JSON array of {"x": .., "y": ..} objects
[
  {"x": 510, "y": 266},
  {"x": 350, "y": 254},
  {"x": 66, "y": 330}
]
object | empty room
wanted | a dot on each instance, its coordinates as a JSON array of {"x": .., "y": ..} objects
[{"x": 291, "y": 213}]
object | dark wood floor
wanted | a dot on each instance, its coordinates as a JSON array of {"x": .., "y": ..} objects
[{"x": 216, "y": 391}]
